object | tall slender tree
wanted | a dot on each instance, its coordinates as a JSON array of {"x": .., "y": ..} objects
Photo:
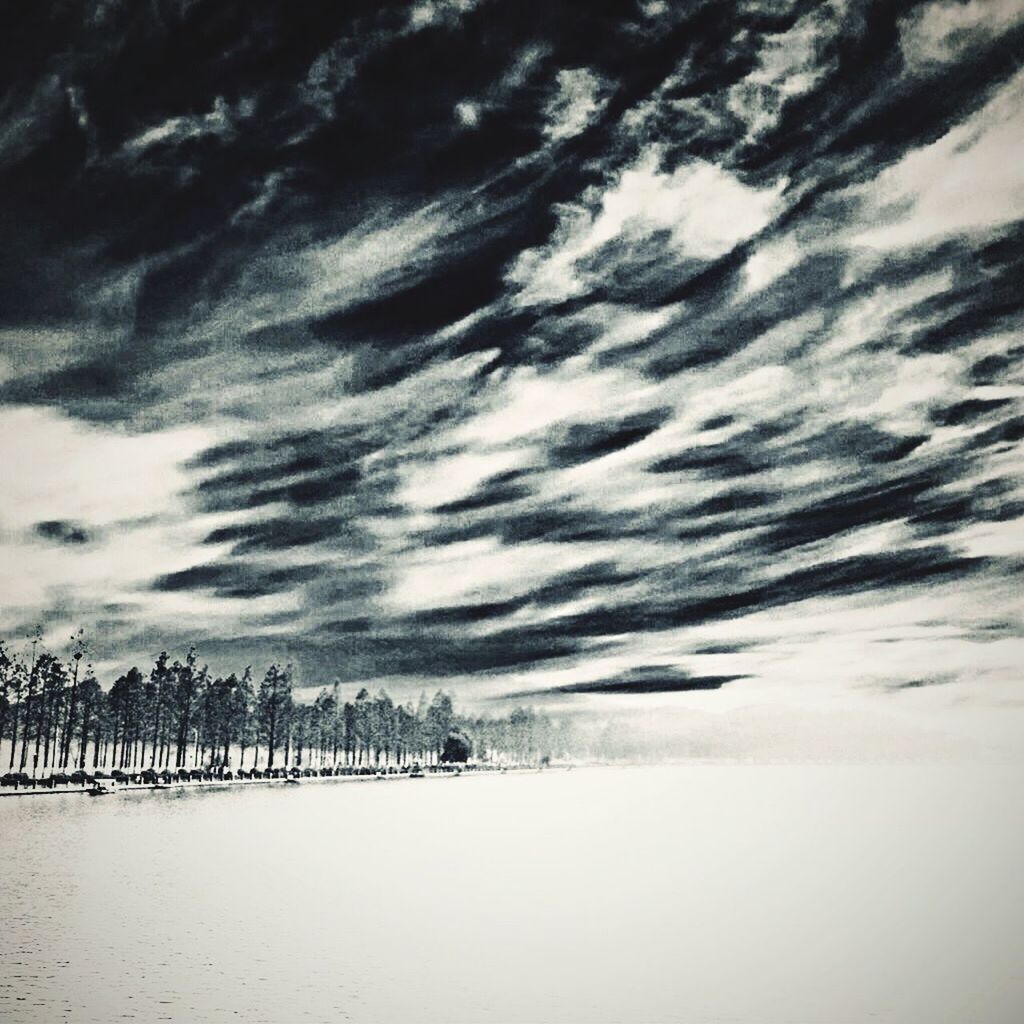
[
  {"x": 6, "y": 690},
  {"x": 185, "y": 695},
  {"x": 273, "y": 704},
  {"x": 77, "y": 653},
  {"x": 91, "y": 693}
]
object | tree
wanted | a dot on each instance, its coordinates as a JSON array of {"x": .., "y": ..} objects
[
  {"x": 383, "y": 719},
  {"x": 273, "y": 704},
  {"x": 242, "y": 699},
  {"x": 439, "y": 720},
  {"x": 91, "y": 695},
  {"x": 350, "y": 731},
  {"x": 157, "y": 696},
  {"x": 16, "y": 677},
  {"x": 179, "y": 706},
  {"x": 186, "y": 684},
  {"x": 52, "y": 679},
  {"x": 77, "y": 653},
  {"x": 363, "y": 726},
  {"x": 457, "y": 748},
  {"x": 31, "y": 704},
  {"x": 7, "y": 675},
  {"x": 126, "y": 700}
]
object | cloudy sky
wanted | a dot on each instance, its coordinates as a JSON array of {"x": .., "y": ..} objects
[{"x": 648, "y": 355}]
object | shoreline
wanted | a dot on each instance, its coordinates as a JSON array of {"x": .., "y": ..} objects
[
  {"x": 216, "y": 784},
  {"x": 219, "y": 784}
]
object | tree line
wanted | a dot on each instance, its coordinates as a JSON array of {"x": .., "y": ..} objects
[{"x": 56, "y": 716}]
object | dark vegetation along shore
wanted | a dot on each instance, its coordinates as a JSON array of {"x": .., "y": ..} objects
[{"x": 180, "y": 724}]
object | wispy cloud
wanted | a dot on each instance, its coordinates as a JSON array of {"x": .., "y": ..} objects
[
  {"x": 697, "y": 212},
  {"x": 937, "y": 34},
  {"x": 968, "y": 182}
]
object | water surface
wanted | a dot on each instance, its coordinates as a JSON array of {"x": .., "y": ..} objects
[{"x": 710, "y": 893}]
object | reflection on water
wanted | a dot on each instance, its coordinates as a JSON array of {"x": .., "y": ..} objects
[{"x": 664, "y": 894}]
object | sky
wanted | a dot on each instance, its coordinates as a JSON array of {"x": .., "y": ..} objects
[{"x": 644, "y": 356}]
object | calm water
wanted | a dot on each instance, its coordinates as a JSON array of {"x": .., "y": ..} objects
[{"x": 667, "y": 894}]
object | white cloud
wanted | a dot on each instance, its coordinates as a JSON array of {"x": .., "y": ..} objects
[
  {"x": 125, "y": 490},
  {"x": 788, "y": 66},
  {"x": 528, "y": 401},
  {"x": 288, "y": 286},
  {"x": 769, "y": 262},
  {"x": 219, "y": 121},
  {"x": 482, "y": 570},
  {"x": 936, "y": 34},
  {"x": 969, "y": 182},
  {"x": 875, "y": 316},
  {"x": 54, "y": 467},
  {"x": 438, "y": 12},
  {"x": 467, "y": 113},
  {"x": 623, "y": 326},
  {"x": 450, "y": 477},
  {"x": 705, "y": 210},
  {"x": 576, "y": 103}
]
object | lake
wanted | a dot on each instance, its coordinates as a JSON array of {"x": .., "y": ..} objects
[{"x": 705, "y": 893}]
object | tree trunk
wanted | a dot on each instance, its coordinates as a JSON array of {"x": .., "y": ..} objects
[
  {"x": 69, "y": 722},
  {"x": 83, "y": 741},
  {"x": 39, "y": 734},
  {"x": 156, "y": 725},
  {"x": 14, "y": 735}
]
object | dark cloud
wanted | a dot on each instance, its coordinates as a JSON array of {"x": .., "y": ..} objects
[
  {"x": 63, "y": 532},
  {"x": 360, "y": 654},
  {"x": 968, "y": 411},
  {"x": 644, "y": 679},
  {"x": 280, "y": 534},
  {"x": 745, "y": 453},
  {"x": 499, "y": 490},
  {"x": 994, "y": 369},
  {"x": 916, "y": 684},
  {"x": 582, "y": 442},
  {"x": 236, "y": 579},
  {"x": 846, "y": 510}
]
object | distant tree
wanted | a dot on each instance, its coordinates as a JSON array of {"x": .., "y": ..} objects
[
  {"x": 126, "y": 698},
  {"x": 31, "y": 703},
  {"x": 273, "y": 706},
  {"x": 241, "y": 716},
  {"x": 77, "y": 653},
  {"x": 6, "y": 679},
  {"x": 180, "y": 710},
  {"x": 383, "y": 719},
  {"x": 439, "y": 718},
  {"x": 407, "y": 729},
  {"x": 52, "y": 683},
  {"x": 158, "y": 693},
  {"x": 348, "y": 727},
  {"x": 522, "y": 724},
  {"x": 333, "y": 708},
  {"x": 16, "y": 678},
  {"x": 457, "y": 748},
  {"x": 91, "y": 695},
  {"x": 301, "y": 732},
  {"x": 363, "y": 726},
  {"x": 185, "y": 692},
  {"x": 324, "y": 724}
]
